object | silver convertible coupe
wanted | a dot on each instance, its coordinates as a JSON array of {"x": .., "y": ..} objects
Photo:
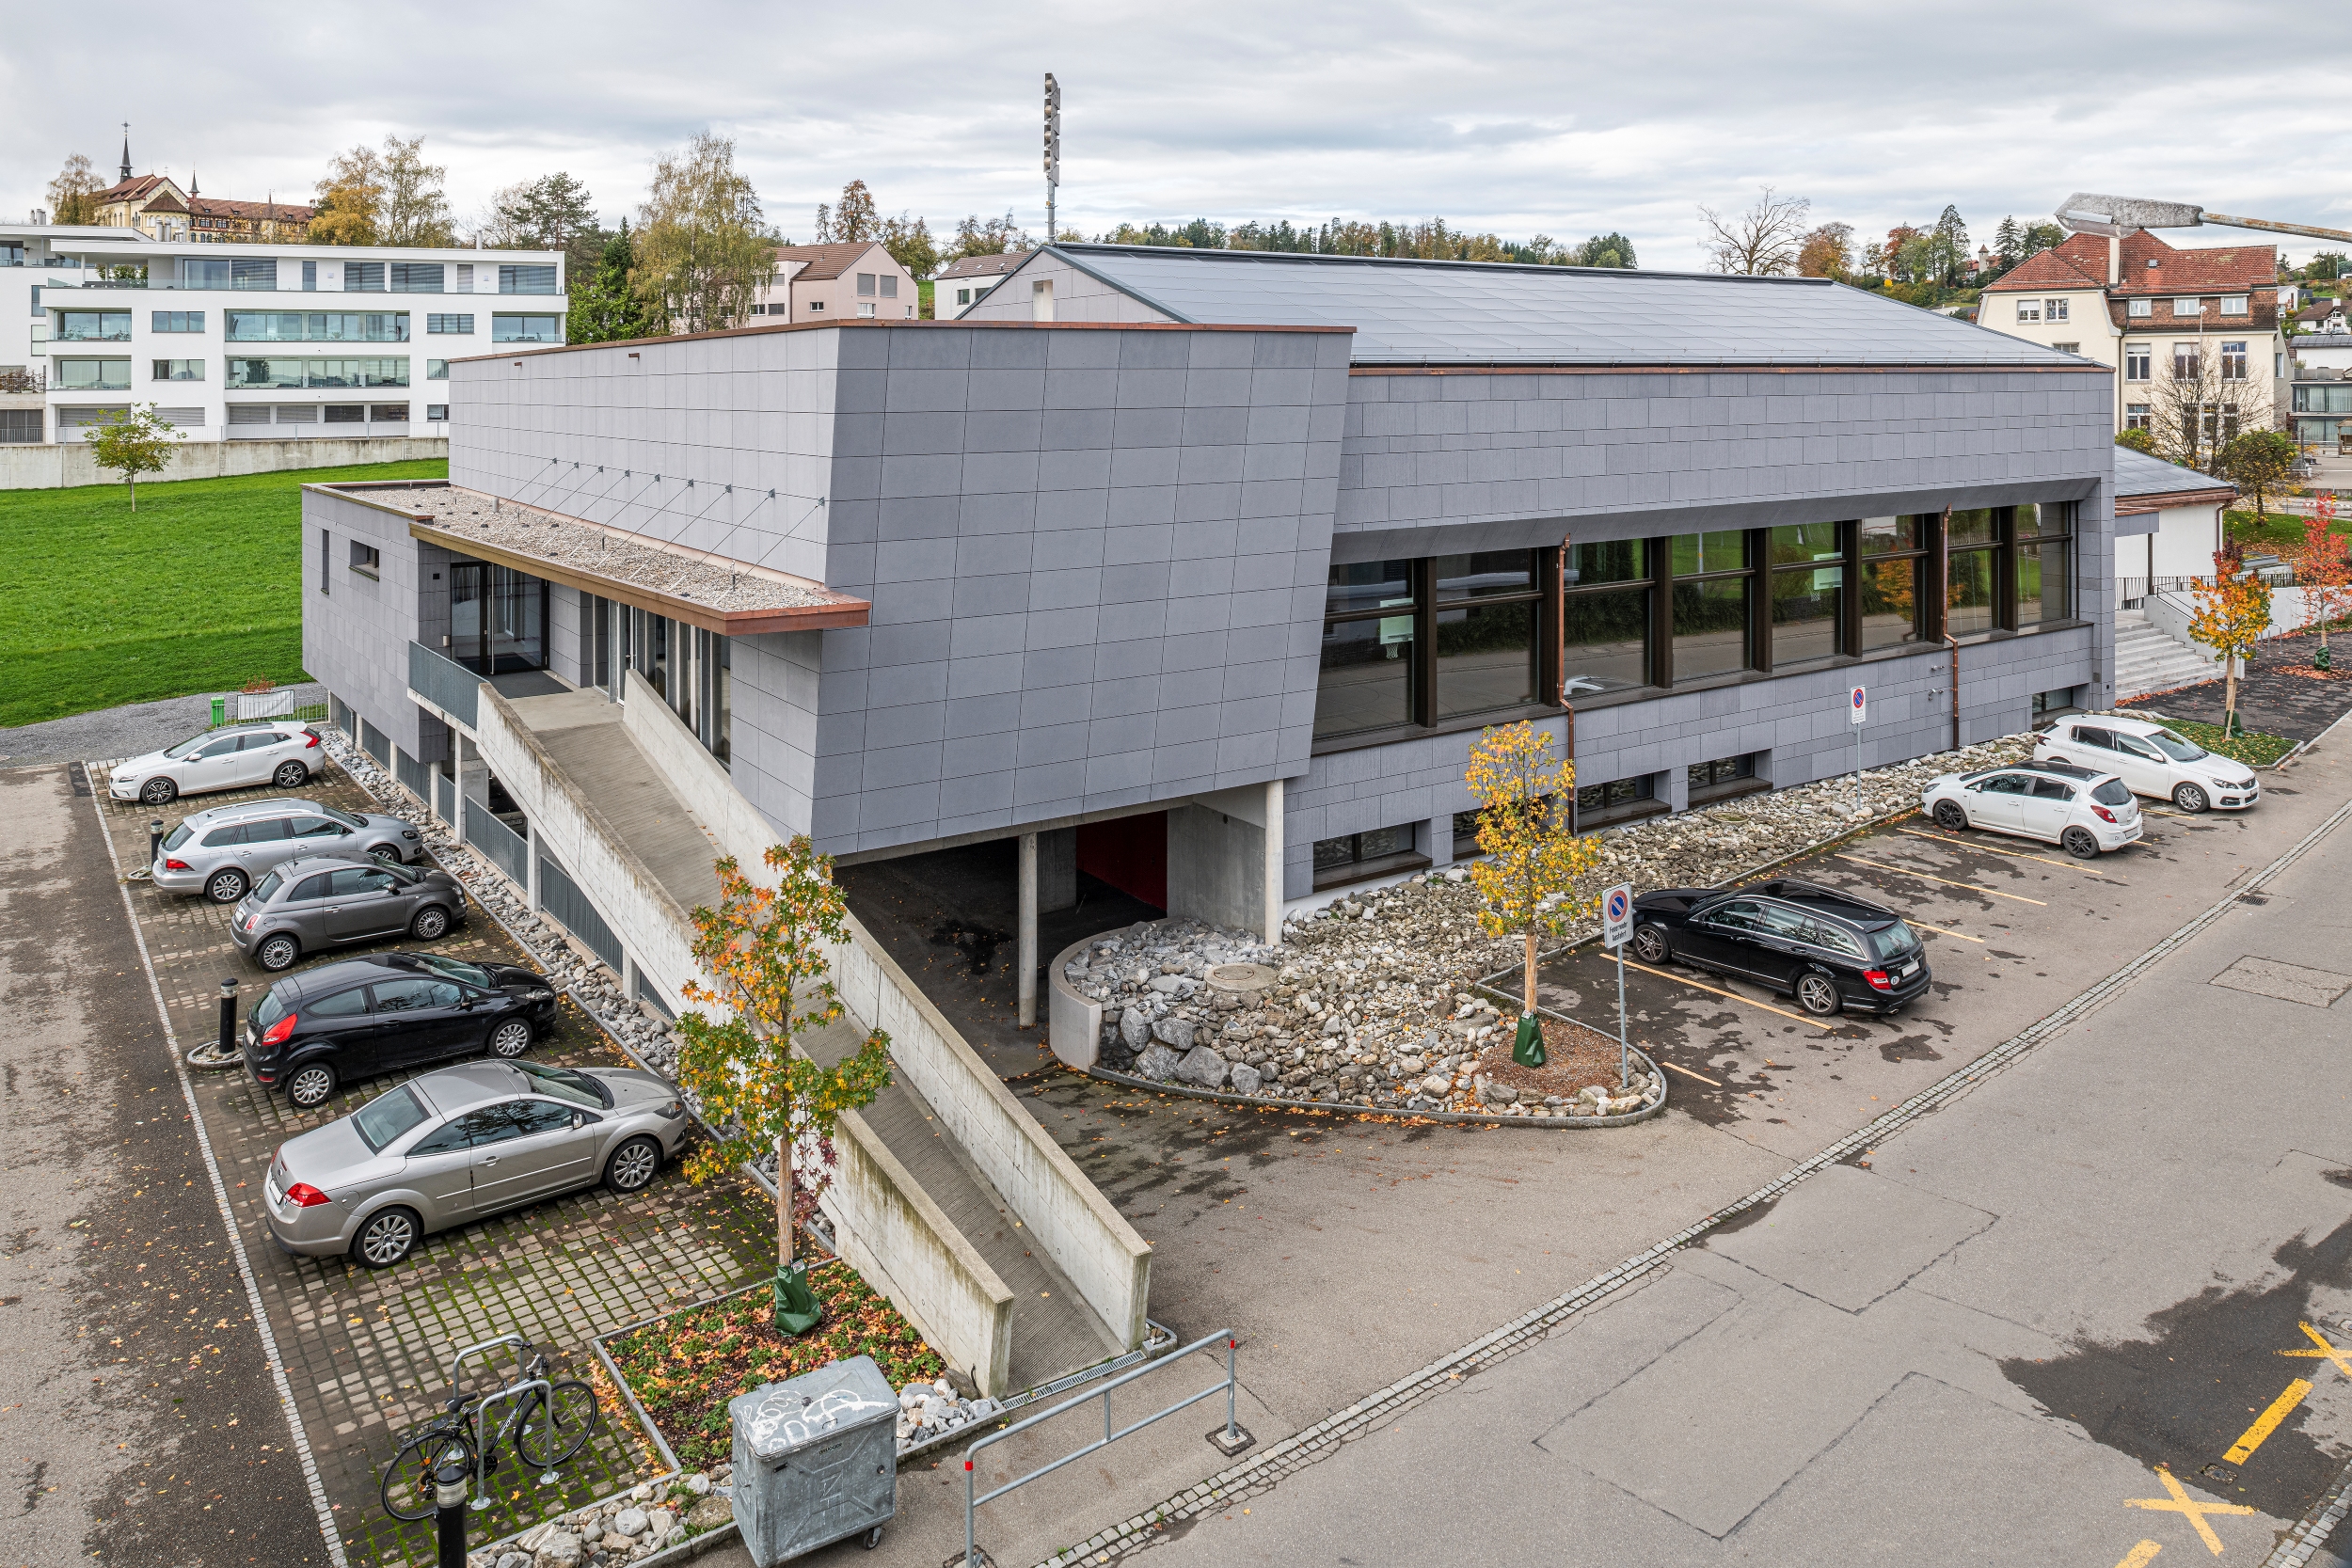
[{"x": 463, "y": 1142}]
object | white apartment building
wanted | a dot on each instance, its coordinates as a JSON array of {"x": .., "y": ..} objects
[{"x": 236, "y": 341}]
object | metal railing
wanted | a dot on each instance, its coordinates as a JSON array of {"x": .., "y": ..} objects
[
  {"x": 1235, "y": 1438},
  {"x": 560, "y": 897},
  {"x": 445, "y": 683},
  {"x": 508, "y": 849}
]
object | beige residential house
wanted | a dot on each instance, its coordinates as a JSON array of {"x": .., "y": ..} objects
[
  {"x": 824, "y": 283},
  {"x": 2192, "y": 337},
  {"x": 959, "y": 285},
  {"x": 157, "y": 206}
]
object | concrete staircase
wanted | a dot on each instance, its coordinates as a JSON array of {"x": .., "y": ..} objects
[{"x": 2146, "y": 659}]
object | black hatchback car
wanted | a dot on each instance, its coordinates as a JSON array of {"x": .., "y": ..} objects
[
  {"x": 1831, "y": 951},
  {"x": 312, "y": 1032}
]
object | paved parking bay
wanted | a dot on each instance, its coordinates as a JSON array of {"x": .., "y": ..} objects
[{"x": 367, "y": 1350}]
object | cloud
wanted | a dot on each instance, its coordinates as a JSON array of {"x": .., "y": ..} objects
[{"x": 1514, "y": 116}]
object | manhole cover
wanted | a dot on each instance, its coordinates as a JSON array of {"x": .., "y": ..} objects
[
  {"x": 2285, "y": 982},
  {"x": 1241, "y": 977}
]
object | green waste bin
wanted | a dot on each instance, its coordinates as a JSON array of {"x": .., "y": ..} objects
[{"x": 220, "y": 711}]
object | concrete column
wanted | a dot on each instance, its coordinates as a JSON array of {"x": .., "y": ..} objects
[
  {"x": 531, "y": 869},
  {"x": 1028, "y": 930},
  {"x": 473, "y": 782},
  {"x": 1271, "y": 923},
  {"x": 1058, "y": 870}
]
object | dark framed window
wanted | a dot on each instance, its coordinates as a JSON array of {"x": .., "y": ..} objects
[
  {"x": 1370, "y": 621},
  {"x": 1605, "y": 617},
  {"x": 1489, "y": 606},
  {"x": 1893, "y": 575},
  {"x": 526, "y": 329},
  {"x": 179, "y": 370},
  {"x": 436, "y": 321},
  {"x": 1712, "y": 583},
  {"x": 1972, "y": 592},
  {"x": 178, "y": 320},
  {"x": 1597, "y": 805},
  {"x": 1357, "y": 857},
  {"x": 439, "y": 411},
  {"x": 1808, "y": 592},
  {"x": 1435, "y": 641},
  {"x": 1723, "y": 776},
  {"x": 525, "y": 281},
  {"x": 418, "y": 278},
  {"x": 363, "y": 277},
  {"x": 366, "y": 560},
  {"x": 327, "y": 561},
  {"x": 2044, "y": 577}
]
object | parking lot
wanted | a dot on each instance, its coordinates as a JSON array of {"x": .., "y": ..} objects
[{"x": 367, "y": 1350}]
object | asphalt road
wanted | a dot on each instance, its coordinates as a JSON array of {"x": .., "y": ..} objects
[
  {"x": 2095, "y": 1310},
  {"x": 141, "y": 1422}
]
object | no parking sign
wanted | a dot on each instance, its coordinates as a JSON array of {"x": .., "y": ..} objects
[
  {"x": 1861, "y": 703},
  {"x": 1617, "y": 915}
]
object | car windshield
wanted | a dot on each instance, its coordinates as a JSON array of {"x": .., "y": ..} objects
[
  {"x": 266, "y": 889},
  {"x": 179, "y": 836},
  {"x": 562, "y": 1083},
  {"x": 343, "y": 816},
  {"x": 474, "y": 974},
  {"x": 269, "y": 1009},
  {"x": 1893, "y": 941},
  {"x": 387, "y": 1116},
  {"x": 2112, "y": 793},
  {"x": 188, "y": 745},
  {"x": 2174, "y": 747}
]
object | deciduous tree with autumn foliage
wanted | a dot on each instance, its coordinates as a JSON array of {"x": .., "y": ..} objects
[
  {"x": 1527, "y": 832},
  {"x": 2233, "y": 612},
  {"x": 764, "y": 949},
  {"x": 2323, "y": 570}
]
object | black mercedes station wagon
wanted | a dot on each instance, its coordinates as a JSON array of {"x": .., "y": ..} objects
[
  {"x": 314, "y": 1032},
  {"x": 1831, "y": 951}
]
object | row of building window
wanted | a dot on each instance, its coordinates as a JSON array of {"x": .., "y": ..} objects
[
  {"x": 1430, "y": 643},
  {"x": 398, "y": 277},
  {"x": 2055, "y": 309},
  {"x": 2187, "y": 361},
  {"x": 298, "y": 327},
  {"x": 247, "y": 414}
]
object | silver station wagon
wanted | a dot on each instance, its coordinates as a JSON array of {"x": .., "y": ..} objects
[
  {"x": 462, "y": 1143},
  {"x": 225, "y": 850}
]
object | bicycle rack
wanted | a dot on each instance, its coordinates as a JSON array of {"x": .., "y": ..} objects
[{"x": 479, "y": 1417}]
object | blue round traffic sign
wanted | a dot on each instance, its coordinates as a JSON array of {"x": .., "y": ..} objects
[
  {"x": 1617, "y": 904},
  {"x": 1857, "y": 696}
]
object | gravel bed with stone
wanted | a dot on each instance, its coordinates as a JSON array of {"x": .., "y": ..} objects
[
  {"x": 1374, "y": 1001},
  {"x": 630, "y": 1525}
]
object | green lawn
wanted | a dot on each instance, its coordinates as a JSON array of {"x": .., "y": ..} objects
[
  {"x": 197, "y": 591},
  {"x": 2276, "y": 530}
]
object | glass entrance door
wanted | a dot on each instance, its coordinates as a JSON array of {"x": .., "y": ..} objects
[{"x": 497, "y": 618}]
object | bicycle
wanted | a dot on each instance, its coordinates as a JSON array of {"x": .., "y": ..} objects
[{"x": 549, "y": 1422}]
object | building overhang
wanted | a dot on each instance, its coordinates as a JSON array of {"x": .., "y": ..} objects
[
  {"x": 733, "y": 598},
  {"x": 2134, "y": 506}
]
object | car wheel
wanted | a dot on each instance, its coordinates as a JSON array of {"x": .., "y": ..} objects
[
  {"x": 311, "y": 1085},
  {"x": 632, "y": 1165},
  {"x": 2189, "y": 798},
  {"x": 2081, "y": 843},
  {"x": 158, "y": 792},
  {"x": 1650, "y": 945},
  {"x": 389, "y": 1235},
  {"x": 291, "y": 775},
  {"x": 431, "y": 922},
  {"x": 388, "y": 855},
  {"x": 511, "y": 1039},
  {"x": 1951, "y": 816},
  {"x": 225, "y": 887},
  {"x": 1816, "y": 993},
  {"x": 279, "y": 952}
]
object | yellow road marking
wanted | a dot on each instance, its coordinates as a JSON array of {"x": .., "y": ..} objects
[
  {"x": 1687, "y": 1073},
  {"x": 1731, "y": 994},
  {"x": 2267, "y": 1423},
  {"x": 2188, "y": 1508},
  {"x": 2140, "y": 1556},
  {"x": 1972, "y": 887},
  {"x": 2337, "y": 1354},
  {"x": 1940, "y": 932},
  {"x": 1994, "y": 850}
]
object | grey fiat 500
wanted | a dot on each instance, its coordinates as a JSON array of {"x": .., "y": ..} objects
[
  {"x": 309, "y": 905},
  {"x": 225, "y": 850},
  {"x": 463, "y": 1142}
]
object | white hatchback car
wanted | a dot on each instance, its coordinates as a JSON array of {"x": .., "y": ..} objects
[
  {"x": 2079, "y": 809},
  {"x": 2153, "y": 761},
  {"x": 283, "y": 751}
]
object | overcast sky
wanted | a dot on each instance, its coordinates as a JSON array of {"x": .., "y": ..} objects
[{"x": 1518, "y": 118}]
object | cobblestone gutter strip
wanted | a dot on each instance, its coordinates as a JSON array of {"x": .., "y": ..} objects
[
  {"x": 1264, "y": 1472},
  {"x": 220, "y": 1197}
]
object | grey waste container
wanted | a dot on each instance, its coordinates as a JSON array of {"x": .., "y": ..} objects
[{"x": 816, "y": 1459}]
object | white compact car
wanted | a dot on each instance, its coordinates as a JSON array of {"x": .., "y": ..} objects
[
  {"x": 2151, "y": 760},
  {"x": 283, "y": 751},
  {"x": 2082, "y": 810}
]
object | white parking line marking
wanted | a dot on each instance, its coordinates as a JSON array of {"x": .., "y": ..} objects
[
  {"x": 1946, "y": 880},
  {"x": 1687, "y": 1073},
  {"x": 1996, "y": 850},
  {"x": 1940, "y": 932}
]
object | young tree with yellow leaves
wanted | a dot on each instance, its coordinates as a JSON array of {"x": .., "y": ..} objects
[
  {"x": 1527, "y": 831},
  {"x": 2323, "y": 571},
  {"x": 763, "y": 948},
  {"x": 2233, "y": 612}
]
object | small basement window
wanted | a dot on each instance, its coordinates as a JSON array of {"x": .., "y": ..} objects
[
  {"x": 1619, "y": 800},
  {"x": 366, "y": 560},
  {"x": 1361, "y": 857},
  {"x": 2050, "y": 706},
  {"x": 1724, "y": 777}
]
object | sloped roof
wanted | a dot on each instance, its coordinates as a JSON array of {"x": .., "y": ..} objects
[
  {"x": 1411, "y": 312},
  {"x": 2145, "y": 483},
  {"x": 284, "y": 211},
  {"x": 129, "y": 190},
  {"x": 164, "y": 201},
  {"x": 825, "y": 261},
  {"x": 2181, "y": 272},
  {"x": 2071, "y": 265},
  {"x": 979, "y": 266}
]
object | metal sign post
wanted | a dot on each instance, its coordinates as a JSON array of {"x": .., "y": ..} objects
[
  {"x": 1859, "y": 705},
  {"x": 1616, "y": 929}
]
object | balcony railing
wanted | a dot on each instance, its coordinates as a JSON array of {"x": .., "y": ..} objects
[{"x": 445, "y": 683}]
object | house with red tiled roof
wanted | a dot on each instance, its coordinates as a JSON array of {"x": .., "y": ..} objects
[
  {"x": 2192, "y": 337},
  {"x": 824, "y": 282},
  {"x": 157, "y": 206}
]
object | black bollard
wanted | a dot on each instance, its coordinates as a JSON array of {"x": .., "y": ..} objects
[
  {"x": 155, "y": 840},
  {"x": 449, "y": 1516},
  {"x": 227, "y": 1018}
]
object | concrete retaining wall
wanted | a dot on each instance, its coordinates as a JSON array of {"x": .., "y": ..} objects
[
  {"x": 2171, "y": 611},
  {"x": 68, "y": 462},
  {"x": 1074, "y": 1020},
  {"x": 891, "y": 1232}
]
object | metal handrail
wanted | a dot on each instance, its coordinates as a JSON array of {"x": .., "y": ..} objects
[{"x": 1232, "y": 1438}]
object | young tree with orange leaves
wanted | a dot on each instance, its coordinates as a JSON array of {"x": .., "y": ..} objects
[
  {"x": 2233, "y": 612},
  {"x": 2323, "y": 569},
  {"x": 1527, "y": 830},
  {"x": 763, "y": 948}
]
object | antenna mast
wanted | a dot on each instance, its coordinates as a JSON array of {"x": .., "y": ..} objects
[{"x": 1053, "y": 151}]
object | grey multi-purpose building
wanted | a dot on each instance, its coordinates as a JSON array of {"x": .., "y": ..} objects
[{"x": 1206, "y": 568}]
